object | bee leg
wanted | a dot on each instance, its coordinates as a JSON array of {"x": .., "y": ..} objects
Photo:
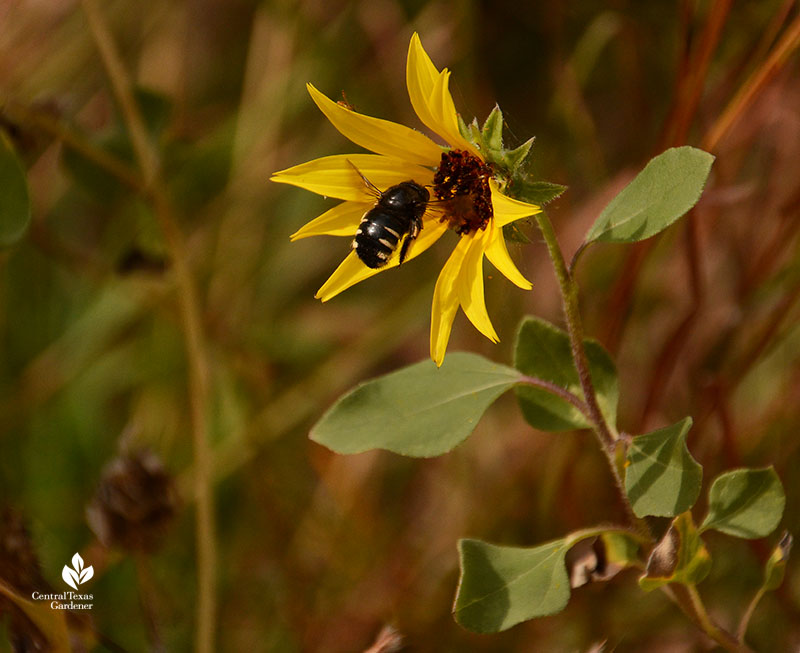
[{"x": 412, "y": 236}]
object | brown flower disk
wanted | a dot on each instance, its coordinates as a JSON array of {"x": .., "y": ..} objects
[{"x": 462, "y": 184}]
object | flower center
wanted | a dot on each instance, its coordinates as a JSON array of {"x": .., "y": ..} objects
[{"x": 462, "y": 185}]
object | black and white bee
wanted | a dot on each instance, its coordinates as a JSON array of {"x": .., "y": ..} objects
[{"x": 397, "y": 215}]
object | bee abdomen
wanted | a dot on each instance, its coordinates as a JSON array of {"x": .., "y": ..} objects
[{"x": 378, "y": 236}]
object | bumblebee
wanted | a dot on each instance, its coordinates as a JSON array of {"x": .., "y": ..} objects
[{"x": 397, "y": 215}]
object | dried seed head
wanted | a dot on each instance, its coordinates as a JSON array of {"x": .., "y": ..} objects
[
  {"x": 461, "y": 183},
  {"x": 135, "y": 502}
]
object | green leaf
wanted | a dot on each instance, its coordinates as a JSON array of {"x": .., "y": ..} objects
[
  {"x": 15, "y": 204},
  {"x": 501, "y": 586},
  {"x": 667, "y": 188},
  {"x": 775, "y": 568},
  {"x": 535, "y": 192},
  {"x": 661, "y": 477},
  {"x": 543, "y": 351},
  {"x": 745, "y": 503},
  {"x": 492, "y": 132},
  {"x": 420, "y": 410},
  {"x": 679, "y": 557}
]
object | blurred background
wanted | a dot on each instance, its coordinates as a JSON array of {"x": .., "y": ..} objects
[{"x": 104, "y": 395}]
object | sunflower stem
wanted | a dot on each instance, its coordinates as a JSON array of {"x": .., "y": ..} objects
[{"x": 607, "y": 437}]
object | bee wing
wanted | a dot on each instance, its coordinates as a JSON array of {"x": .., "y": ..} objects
[{"x": 372, "y": 189}]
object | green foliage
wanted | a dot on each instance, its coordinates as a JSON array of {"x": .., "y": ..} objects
[
  {"x": 501, "y": 585},
  {"x": 661, "y": 477},
  {"x": 745, "y": 503},
  {"x": 667, "y": 188},
  {"x": 15, "y": 205},
  {"x": 543, "y": 351},
  {"x": 679, "y": 557},
  {"x": 420, "y": 410}
]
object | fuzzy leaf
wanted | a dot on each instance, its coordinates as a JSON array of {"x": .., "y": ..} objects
[
  {"x": 667, "y": 188},
  {"x": 15, "y": 204},
  {"x": 420, "y": 410},
  {"x": 745, "y": 503},
  {"x": 679, "y": 557},
  {"x": 543, "y": 351},
  {"x": 661, "y": 478},
  {"x": 501, "y": 586}
]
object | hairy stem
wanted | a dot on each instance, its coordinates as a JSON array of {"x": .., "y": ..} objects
[
  {"x": 569, "y": 296},
  {"x": 199, "y": 374}
]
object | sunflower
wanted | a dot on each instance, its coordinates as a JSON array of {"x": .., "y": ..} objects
[{"x": 466, "y": 196}]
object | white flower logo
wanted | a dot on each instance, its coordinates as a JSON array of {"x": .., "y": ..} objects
[{"x": 78, "y": 575}]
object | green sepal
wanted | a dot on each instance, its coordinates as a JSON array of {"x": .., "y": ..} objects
[
  {"x": 534, "y": 192},
  {"x": 746, "y": 503},
  {"x": 661, "y": 477},
  {"x": 516, "y": 158},
  {"x": 679, "y": 557},
  {"x": 492, "y": 131},
  {"x": 463, "y": 128}
]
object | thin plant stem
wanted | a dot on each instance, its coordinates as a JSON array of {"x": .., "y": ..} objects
[
  {"x": 199, "y": 374},
  {"x": 569, "y": 296},
  {"x": 741, "y": 631},
  {"x": 719, "y": 635},
  {"x": 607, "y": 437},
  {"x": 558, "y": 391}
]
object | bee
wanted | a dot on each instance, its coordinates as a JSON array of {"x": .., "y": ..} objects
[{"x": 397, "y": 215}]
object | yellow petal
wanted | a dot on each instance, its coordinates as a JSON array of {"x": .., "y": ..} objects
[
  {"x": 470, "y": 286},
  {"x": 445, "y": 301},
  {"x": 341, "y": 220},
  {"x": 497, "y": 253},
  {"x": 334, "y": 176},
  {"x": 421, "y": 76},
  {"x": 351, "y": 271},
  {"x": 377, "y": 135},
  {"x": 446, "y": 116},
  {"x": 507, "y": 210}
]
